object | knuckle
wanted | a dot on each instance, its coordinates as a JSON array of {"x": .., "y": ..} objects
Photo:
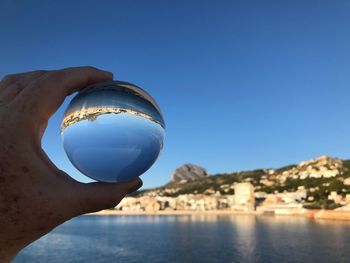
[
  {"x": 47, "y": 80},
  {"x": 55, "y": 75},
  {"x": 90, "y": 68},
  {"x": 22, "y": 77}
]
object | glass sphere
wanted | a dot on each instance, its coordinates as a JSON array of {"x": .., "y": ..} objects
[{"x": 113, "y": 131}]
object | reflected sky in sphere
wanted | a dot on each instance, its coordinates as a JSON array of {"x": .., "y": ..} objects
[{"x": 113, "y": 131}]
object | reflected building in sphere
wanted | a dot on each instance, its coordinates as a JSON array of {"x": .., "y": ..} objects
[{"x": 113, "y": 131}]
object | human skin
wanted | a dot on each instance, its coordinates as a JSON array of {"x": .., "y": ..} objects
[{"x": 36, "y": 196}]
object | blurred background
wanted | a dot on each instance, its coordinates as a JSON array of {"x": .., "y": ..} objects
[{"x": 242, "y": 84}]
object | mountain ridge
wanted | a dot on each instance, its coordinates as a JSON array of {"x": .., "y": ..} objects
[{"x": 318, "y": 177}]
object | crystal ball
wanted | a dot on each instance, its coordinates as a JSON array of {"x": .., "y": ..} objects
[{"x": 113, "y": 131}]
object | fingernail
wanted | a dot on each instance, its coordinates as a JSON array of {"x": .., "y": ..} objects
[{"x": 135, "y": 187}]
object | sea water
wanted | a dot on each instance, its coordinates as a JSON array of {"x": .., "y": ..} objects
[{"x": 196, "y": 238}]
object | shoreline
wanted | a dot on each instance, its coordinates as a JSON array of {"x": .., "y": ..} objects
[
  {"x": 172, "y": 212},
  {"x": 332, "y": 215}
]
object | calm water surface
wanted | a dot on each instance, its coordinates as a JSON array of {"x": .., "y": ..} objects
[{"x": 237, "y": 238}]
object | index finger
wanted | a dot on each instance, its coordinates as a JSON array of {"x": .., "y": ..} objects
[
  {"x": 74, "y": 79},
  {"x": 43, "y": 96}
]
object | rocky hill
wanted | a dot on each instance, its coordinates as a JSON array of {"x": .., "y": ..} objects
[
  {"x": 188, "y": 172},
  {"x": 319, "y": 179}
]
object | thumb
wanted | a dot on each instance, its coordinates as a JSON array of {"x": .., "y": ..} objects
[{"x": 93, "y": 197}]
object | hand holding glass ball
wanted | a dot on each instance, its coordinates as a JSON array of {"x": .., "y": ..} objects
[{"x": 113, "y": 131}]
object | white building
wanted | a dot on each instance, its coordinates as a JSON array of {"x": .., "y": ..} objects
[{"x": 244, "y": 197}]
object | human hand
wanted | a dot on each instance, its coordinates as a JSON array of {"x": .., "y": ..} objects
[{"x": 35, "y": 196}]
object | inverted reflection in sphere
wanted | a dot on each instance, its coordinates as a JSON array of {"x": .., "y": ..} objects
[{"x": 113, "y": 131}]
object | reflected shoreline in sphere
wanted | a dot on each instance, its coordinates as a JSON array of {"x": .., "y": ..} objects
[{"x": 113, "y": 132}]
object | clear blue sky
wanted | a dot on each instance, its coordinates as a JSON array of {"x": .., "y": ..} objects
[{"x": 242, "y": 84}]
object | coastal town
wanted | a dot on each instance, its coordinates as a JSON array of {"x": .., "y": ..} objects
[
  {"x": 91, "y": 114},
  {"x": 291, "y": 190}
]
